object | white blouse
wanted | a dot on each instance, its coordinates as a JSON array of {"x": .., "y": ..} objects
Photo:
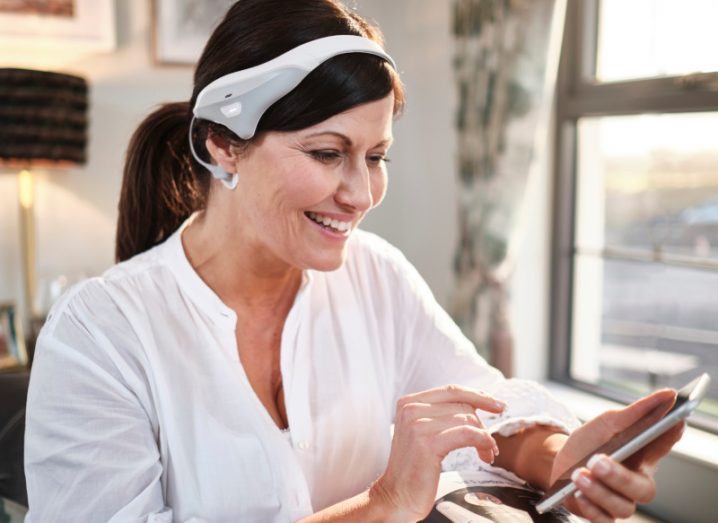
[{"x": 139, "y": 408}]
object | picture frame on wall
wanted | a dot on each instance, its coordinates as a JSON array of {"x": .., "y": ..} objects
[
  {"x": 60, "y": 25},
  {"x": 180, "y": 28},
  {"x": 13, "y": 352}
]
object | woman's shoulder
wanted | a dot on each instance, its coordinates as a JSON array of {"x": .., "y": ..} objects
[
  {"x": 80, "y": 309},
  {"x": 389, "y": 266},
  {"x": 138, "y": 264},
  {"x": 369, "y": 251},
  {"x": 89, "y": 346},
  {"x": 99, "y": 322},
  {"x": 96, "y": 300},
  {"x": 376, "y": 265}
]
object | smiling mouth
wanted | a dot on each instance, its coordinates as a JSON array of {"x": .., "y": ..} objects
[{"x": 335, "y": 226}]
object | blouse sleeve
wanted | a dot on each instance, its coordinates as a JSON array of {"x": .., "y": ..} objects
[
  {"x": 91, "y": 452},
  {"x": 432, "y": 351}
]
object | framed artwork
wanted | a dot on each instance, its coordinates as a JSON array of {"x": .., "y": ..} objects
[
  {"x": 12, "y": 342},
  {"x": 181, "y": 28},
  {"x": 82, "y": 25}
]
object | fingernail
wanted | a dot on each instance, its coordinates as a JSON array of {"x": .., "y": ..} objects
[
  {"x": 599, "y": 464},
  {"x": 580, "y": 479},
  {"x": 499, "y": 405}
]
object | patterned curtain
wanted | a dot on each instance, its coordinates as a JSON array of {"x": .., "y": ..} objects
[{"x": 505, "y": 67}]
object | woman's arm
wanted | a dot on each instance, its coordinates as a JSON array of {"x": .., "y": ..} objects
[
  {"x": 429, "y": 424},
  {"x": 90, "y": 448},
  {"x": 369, "y": 506},
  {"x": 530, "y": 453}
]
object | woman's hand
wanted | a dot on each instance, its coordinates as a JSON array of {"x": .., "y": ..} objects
[
  {"x": 608, "y": 489},
  {"x": 428, "y": 425}
]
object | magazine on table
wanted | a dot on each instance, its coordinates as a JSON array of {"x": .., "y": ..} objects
[{"x": 478, "y": 497}]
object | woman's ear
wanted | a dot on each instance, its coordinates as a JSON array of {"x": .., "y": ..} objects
[{"x": 222, "y": 153}]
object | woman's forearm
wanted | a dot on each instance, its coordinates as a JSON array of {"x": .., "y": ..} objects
[
  {"x": 366, "y": 507},
  {"x": 530, "y": 453}
]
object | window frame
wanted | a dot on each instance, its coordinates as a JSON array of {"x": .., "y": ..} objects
[{"x": 578, "y": 95}]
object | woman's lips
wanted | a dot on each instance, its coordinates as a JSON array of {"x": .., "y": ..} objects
[{"x": 328, "y": 231}]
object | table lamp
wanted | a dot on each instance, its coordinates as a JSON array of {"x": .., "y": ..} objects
[{"x": 43, "y": 124}]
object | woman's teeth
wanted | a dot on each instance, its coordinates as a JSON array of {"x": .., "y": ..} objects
[{"x": 328, "y": 222}]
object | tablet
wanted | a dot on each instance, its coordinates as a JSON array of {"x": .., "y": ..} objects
[{"x": 629, "y": 441}]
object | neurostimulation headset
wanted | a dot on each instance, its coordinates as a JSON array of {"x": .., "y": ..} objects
[{"x": 238, "y": 100}]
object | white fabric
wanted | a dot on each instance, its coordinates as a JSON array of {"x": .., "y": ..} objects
[{"x": 139, "y": 409}]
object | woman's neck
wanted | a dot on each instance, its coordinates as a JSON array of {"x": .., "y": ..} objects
[{"x": 238, "y": 267}]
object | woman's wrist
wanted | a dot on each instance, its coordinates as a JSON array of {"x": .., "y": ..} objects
[
  {"x": 530, "y": 454},
  {"x": 385, "y": 508},
  {"x": 552, "y": 446},
  {"x": 373, "y": 505}
]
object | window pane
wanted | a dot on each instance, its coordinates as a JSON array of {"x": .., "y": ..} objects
[
  {"x": 649, "y": 182},
  {"x": 648, "y": 38},
  {"x": 638, "y": 326},
  {"x": 646, "y": 184}
]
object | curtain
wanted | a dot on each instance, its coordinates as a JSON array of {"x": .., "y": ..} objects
[{"x": 505, "y": 64}]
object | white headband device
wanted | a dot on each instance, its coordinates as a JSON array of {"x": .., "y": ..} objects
[{"x": 238, "y": 100}]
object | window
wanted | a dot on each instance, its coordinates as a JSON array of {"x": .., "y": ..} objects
[{"x": 635, "y": 272}]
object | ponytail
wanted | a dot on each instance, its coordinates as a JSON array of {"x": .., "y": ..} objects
[{"x": 160, "y": 187}]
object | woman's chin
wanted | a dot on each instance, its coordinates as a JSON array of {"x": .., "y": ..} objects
[{"x": 328, "y": 262}]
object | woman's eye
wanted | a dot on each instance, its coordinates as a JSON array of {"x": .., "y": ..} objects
[
  {"x": 325, "y": 156},
  {"x": 329, "y": 156},
  {"x": 378, "y": 159}
]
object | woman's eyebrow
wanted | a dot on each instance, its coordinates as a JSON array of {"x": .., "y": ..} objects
[{"x": 347, "y": 141}]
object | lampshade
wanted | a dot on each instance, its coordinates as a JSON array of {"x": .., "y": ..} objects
[
  {"x": 43, "y": 118},
  {"x": 43, "y": 123}
]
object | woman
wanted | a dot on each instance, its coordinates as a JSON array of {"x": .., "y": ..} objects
[{"x": 247, "y": 357}]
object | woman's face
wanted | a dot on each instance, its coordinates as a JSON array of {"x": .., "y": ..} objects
[{"x": 332, "y": 173}]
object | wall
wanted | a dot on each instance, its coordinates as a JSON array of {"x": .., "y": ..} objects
[
  {"x": 76, "y": 210},
  {"x": 419, "y": 213}
]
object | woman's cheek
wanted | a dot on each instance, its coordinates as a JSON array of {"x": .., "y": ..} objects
[
  {"x": 312, "y": 185},
  {"x": 378, "y": 188}
]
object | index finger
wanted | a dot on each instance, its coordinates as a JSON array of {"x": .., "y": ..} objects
[
  {"x": 453, "y": 393},
  {"x": 662, "y": 400}
]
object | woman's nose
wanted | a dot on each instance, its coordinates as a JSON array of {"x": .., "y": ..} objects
[{"x": 355, "y": 188}]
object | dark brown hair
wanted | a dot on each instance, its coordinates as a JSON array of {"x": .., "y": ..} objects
[{"x": 163, "y": 184}]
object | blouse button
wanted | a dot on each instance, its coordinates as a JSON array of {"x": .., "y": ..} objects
[{"x": 304, "y": 445}]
